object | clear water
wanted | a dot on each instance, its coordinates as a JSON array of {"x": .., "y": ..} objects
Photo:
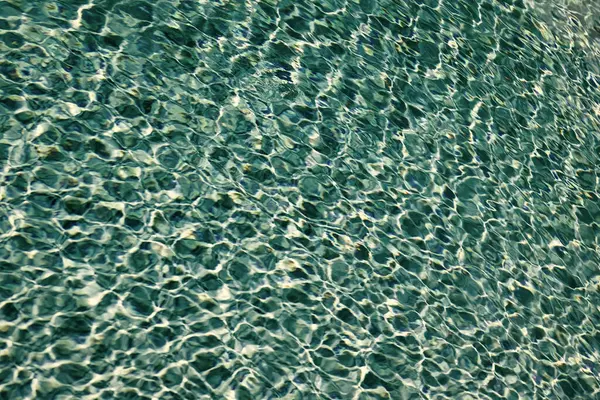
[{"x": 338, "y": 199}]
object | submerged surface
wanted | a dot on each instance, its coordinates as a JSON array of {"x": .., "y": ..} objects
[{"x": 299, "y": 199}]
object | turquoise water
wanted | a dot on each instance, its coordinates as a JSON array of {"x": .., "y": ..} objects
[{"x": 339, "y": 199}]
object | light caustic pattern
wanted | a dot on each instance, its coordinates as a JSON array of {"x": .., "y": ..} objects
[{"x": 339, "y": 199}]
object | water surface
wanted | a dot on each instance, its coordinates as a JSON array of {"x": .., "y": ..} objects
[{"x": 330, "y": 199}]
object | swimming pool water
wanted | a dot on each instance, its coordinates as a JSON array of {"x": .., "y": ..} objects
[{"x": 338, "y": 199}]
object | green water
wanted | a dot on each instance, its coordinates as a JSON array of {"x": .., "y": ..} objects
[{"x": 337, "y": 199}]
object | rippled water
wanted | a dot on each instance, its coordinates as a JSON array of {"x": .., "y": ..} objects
[{"x": 337, "y": 199}]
